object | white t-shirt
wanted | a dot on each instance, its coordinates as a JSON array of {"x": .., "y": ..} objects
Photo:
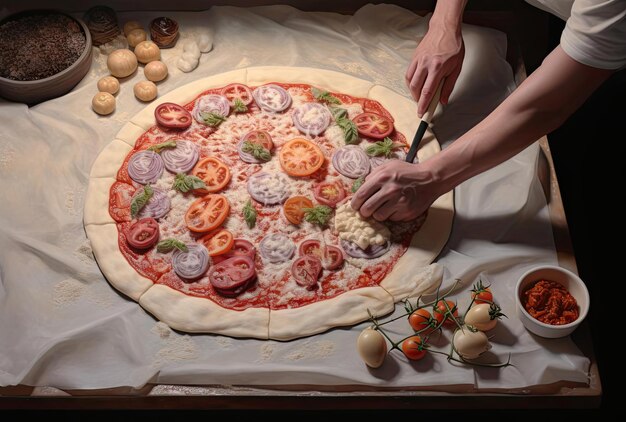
[{"x": 595, "y": 32}]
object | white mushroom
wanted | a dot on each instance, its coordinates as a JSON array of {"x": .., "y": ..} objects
[
  {"x": 155, "y": 71},
  {"x": 147, "y": 51},
  {"x": 103, "y": 103},
  {"x": 122, "y": 63},
  {"x": 145, "y": 90},
  {"x": 109, "y": 84}
]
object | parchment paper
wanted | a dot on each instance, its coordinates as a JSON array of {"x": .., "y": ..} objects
[{"x": 62, "y": 325}]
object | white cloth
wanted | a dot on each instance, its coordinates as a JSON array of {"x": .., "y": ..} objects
[
  {"x": 595, "y": 30},
  {"x": 63, "y": 325}
]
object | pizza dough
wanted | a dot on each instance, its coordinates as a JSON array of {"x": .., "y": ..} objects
[{"x": 411, "y": 276}]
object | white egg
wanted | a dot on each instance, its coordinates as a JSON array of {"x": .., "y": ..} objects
[
  {"x": 372, "y": 347},
  {"x": 470, "y": 343},
  {"x": 480, "y": 317}
]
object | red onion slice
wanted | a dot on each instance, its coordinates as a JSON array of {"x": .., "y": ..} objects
[
  {"x": 192, "y": 264},
  {"x": 277, "y": 248},
  {"x": 145, "y": 167},
  {"x": 246, "y": 157},
  {"x": 351, "y": 161},
  {"x": 212, "y": 103},
  {"x": 272, "y": 98},
  {"x": 371, "y": 252},
  {"x": 311, "y": 118},
  {"x": 182, "y": 158},
  {"x": 268, "y": 189},
  {"x": 158, "y": 205}
]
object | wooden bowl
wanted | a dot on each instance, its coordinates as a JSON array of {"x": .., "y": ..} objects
[{"x": 36, "y": 91}]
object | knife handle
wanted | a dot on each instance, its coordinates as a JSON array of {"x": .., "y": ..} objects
[{"x": 427, "y": 117}]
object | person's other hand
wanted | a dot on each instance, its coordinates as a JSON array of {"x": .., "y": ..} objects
[
  {"x": 396, "y": 191},
  {"x": 439, "y": 56}
]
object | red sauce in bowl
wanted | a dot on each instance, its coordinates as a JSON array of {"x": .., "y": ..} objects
[{"x": 550, "y": 303}]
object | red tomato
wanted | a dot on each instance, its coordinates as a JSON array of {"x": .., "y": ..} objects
[
  {"x": 413, "y": 348},
  {"x": 172, "y": 116},
  {"x": 207, "y": 213},
  {"x": 300, "y": 157},
  {"x": 310, "y": 247},
  {"x": 329, "y": 193},
  {"x": 259, "y": 137},
  {"x": 237, "y": 91},
  {"x": 241, "y": 247},
  {"x": 232, "y": 276},
  {"x": 306, "y": 270},
  {"x": 213, "y": 173},
  {"x": 333, "y": 258},
  {"x": 330, "y": 256},
  {"x": 440, "y": 313},
  {"x": 482, "y": 294},
  {"x": 293, "y": 208},
  {"x": 143, "y": 233},
  {"x": 218, "y": 242},
  {"x": 420, "y": 320},
  {"x": 372, "y": 125}
]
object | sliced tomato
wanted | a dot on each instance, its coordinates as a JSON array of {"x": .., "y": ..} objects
[
  {"x": 372, "y": 125},
  {"x": 218, "y": 242},
  {"x": 207, "y": 213},
  {"x": 294, "y": 208},
  {"x": 172, "y": 116},
  {"x": 259, "y": 137},
  {"x": 214, "y": 173},
  {"x": 300, "y": 157},
  {"x": 231, "y": 276},
  {"x": 241, "y": 247},
  {"x": 306, "y": 270},
  {"x": 329, "y": 193},
  {"x": 237, "y": 91},
  {"x": 143, "y": 233},
  {"x": 310, "y": 247},
  {"x": 333, "y": 258},
  {"x": 330, "y": 256}
]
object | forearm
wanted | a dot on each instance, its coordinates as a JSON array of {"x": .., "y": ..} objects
[
  {"x": 541, "y": 103},
  {"x": 448, "y": 14}
]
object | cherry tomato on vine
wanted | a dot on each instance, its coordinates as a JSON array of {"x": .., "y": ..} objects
[
  {"x": 413, "y": 348},
  {"x": 420, "y": 320},
  {"x": 482, "y": 294},
  {"x": 441, "y": 313}
]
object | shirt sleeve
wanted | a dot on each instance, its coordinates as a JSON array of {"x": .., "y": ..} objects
[{"x": 595, "y": 33}]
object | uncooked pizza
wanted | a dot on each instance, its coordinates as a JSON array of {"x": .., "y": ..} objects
[{"x": 225, "y": 208}]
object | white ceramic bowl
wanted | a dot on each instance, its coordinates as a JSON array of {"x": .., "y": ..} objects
[
  {"x": 570, "y": 281},
  {"x": 36, "y": 91}
]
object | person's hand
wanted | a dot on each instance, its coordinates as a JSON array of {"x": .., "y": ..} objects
[
  {"x": 439, "y": 56},
  {"x": 396, "y": 191}
]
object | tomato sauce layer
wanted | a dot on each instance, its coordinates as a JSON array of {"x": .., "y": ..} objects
[{"x": 274, "y": 287}]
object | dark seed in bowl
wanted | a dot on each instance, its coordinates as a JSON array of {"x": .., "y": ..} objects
[{"x": 37, "y": 46}]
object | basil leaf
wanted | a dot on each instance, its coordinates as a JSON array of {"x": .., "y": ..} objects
[
  {"x": 382, "y": 148},
  {"x": 249, "y": 214},
  {"x": 350, "y": 132},
  {"x": 339, "y": 113},
  {"x": 140, "y": 200},
  {"x": 239, "y": 106},
  {"x": 319, "y": 214},
  {"x": 160, "y": 147},
  {"x": 212, "y": 119},
  {"x": 324, "y": 96},
  {"x": 357, "y": 184},
  {"x": 258, "y": 151},
  {"x": 167, "y": 245},
  {"x": 184, "y": 183}
]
